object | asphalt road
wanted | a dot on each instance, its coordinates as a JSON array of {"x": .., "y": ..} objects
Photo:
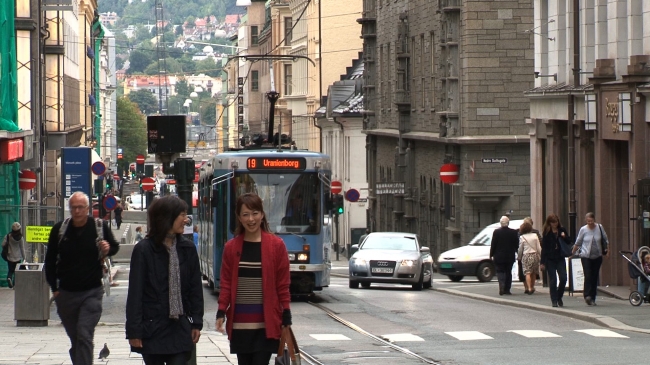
[{"x": 443, "y": 328}]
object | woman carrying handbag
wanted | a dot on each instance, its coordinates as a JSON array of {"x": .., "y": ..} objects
[
  {"x": 553, "y": 235},
  {"x": 254, "y": 300}
]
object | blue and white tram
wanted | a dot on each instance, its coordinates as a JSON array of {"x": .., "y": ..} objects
[{"x": 294, "y": 186}]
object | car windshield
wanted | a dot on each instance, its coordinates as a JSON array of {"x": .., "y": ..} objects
[
  {"x": 483, "y": 239},
  {"x": 389, "y": 243}
]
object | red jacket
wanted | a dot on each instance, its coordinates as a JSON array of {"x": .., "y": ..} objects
[{"x": 275, "y": 281}]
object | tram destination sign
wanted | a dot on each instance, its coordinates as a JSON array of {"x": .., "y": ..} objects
[
  {"x": 494, "y": 160},
  {"x": 389, "y": 188},
  {"x": 275, "y": 163}
]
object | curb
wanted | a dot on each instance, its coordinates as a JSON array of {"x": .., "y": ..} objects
[{"x": 604, "y": 321}]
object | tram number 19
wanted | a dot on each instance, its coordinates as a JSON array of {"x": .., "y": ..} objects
[{"x": 252, "y": 163}]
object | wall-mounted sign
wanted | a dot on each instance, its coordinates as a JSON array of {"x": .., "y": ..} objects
[
  {"x": 76, "y": 175},
  {"x": 389, "y": 188},
  {"x": 494, "y": 160}
]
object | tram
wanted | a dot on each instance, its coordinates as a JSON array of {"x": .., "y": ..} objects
[{"x": 295, "y": 188}]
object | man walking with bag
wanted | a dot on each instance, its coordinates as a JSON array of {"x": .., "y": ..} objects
[{"x": 73, "y": 267}]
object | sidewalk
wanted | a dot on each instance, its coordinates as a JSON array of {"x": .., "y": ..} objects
[
  {"x": 49, "y": 345},
  {"x": 613, "y": 310}
]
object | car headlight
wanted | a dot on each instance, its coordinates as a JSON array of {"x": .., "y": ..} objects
[
  {"x": 408, "y": 263},
  {"x": 358, "y": 261}
]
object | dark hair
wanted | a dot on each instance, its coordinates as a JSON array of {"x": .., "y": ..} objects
[
  {"x": 547, "y": 224},
  {"x": 161, "y": 215},
  {"x": 253, "y": 202},
  {"x": 525, "y": 227}
]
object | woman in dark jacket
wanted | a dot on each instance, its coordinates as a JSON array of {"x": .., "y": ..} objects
[
  {"x": 164, "y": 306},
  {"x": 255, "y": 281},
  {"x": 552, "y": 259}
]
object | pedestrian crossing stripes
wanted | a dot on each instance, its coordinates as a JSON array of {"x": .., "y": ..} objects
[
  {"x": 473, "y": 335},
  {"x": 602, "y": 333}
]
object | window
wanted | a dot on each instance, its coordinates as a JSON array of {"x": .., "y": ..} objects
[
  {"x": 288, "y": 23},
  {"x": 255, "y": 81},
  {"x": 254, "y": 35},
  {"x": 287, "y": 80}
]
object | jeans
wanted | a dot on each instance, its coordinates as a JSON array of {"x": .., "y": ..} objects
[
  {"x": 254, "y": 358},
  {"x": 554, "y": 270},
  {"x": 80, "y": 312},
  {"x": 591, "y": 268},
  {"x": 642, "y": 285},
  {"x": 166, "y": 359}
]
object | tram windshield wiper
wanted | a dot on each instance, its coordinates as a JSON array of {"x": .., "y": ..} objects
[{"x": 304, "y": 240}]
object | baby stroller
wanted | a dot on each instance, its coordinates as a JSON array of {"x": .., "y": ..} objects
[{"x": 635, "y": 269}]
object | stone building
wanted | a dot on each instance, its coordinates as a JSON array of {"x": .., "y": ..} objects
[
  {"x": 444, "y": 83},
  {"x": 589, "y": 131}
]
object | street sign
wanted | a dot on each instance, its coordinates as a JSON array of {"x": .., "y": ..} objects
[
  {"x": 352, "y": 195},
  {"x": 148, "y": 184},
  {"x": 139, "y": 159},
  {"x": 116, "y": 177},
  {"x": 449, "y": 173},
  {"x": 26, "y": 180},
  {"x": 98, "y": 168},
  {"x": 171, "y": 182},
  {"x": 110, "y": 202},
  {"x": 336, "y": 187}
]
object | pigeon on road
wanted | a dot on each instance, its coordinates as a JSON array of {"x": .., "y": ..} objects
[{"x": 103, "y": 354}]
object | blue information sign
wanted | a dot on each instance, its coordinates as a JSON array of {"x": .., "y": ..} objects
[
  {"x": 352, "y": 195},
  {"x": 98, "y": 168},
  {"x": 75, "y": 171},
  {"x": 110, "y": 202}
]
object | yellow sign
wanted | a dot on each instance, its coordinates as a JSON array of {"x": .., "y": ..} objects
[{"x": 37, "y": 234}]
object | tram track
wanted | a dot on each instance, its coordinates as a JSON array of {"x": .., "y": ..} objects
[{"x": 360, "y": 330}]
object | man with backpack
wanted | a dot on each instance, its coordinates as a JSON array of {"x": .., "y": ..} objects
[{"x": 76, "y": 251}]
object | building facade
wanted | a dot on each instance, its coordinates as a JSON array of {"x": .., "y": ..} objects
[
  {"x": 590, "y": 119},
  {"x": 443, "y": 85}
]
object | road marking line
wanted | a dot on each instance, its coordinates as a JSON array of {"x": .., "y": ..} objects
[
  {"x": 329, "y": 337},
  {"x": 402, "y": 337},
  {"x": 469, "y": 335},
  {"x": 535, "y": 333},
  {"x": 602, "y": 333}
]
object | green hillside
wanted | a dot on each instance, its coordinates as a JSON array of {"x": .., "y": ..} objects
[{"x": 177, "y": 11}]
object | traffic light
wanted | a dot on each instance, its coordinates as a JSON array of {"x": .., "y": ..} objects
[
  {"x": 109, "y": 183},
  {"x": 337, "y": 204}
]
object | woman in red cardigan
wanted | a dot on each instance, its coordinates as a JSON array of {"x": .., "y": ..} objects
[{"x": 255, "y": 280}]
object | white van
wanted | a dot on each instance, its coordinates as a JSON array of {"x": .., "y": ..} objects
[{"x": 474, "y": 258}]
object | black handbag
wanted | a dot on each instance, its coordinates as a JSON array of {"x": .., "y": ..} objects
[
  {"x": 288, "y": 351},
  {"x": 565, "y": 248}
]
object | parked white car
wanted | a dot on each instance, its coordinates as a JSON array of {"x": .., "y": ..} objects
[{"x": 136, "y": 201}]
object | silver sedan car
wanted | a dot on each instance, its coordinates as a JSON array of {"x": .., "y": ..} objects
[{"x": 391, "y": 257}]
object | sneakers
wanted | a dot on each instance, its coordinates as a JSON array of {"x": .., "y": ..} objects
[
  {"x": 560, "y": 303},
  {"x": 10, "y": 283}
]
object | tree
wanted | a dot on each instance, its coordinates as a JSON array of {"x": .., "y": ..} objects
[
  {"x": 209, "y": 112},
  {"x": 182, "y": 88},
  {"x": 208, "y": 67},
  {"x": 138, "y": 61},
  {"x": 145, "y": 101},
  {"x": 131, "y": 131}
]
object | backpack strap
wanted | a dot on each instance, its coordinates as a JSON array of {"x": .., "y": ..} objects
[
  {"x": 63, "y": 228},
  {"x": 99, "y": 226}
]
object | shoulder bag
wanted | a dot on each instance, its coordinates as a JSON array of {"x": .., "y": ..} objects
[
  {"x": 603, "y": 241},
  {"x": 565, "y": 248},
  {"x": 288, "y": 351},
  {"x": 5, "y": 249}
]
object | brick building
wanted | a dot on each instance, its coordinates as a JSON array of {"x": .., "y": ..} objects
[{"x": 444, "y": 83}]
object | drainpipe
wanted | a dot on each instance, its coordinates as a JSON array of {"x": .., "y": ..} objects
[
  {"x": 572, "y": 116},
  {"x": 98, "y": 29}
]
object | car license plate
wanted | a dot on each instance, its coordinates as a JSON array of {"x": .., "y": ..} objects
[
  {"x": 445, "y": 266},
  {"x": 382, "y": 270}
]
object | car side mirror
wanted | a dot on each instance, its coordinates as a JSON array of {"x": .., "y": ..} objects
[
  {"x": 354, "y": 248},
  {"x": 424, "y": 249}
]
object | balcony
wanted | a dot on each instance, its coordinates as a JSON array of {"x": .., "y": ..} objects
[
  {"x": 450, "y": 5},
  {"x": 403, "y": 100}
]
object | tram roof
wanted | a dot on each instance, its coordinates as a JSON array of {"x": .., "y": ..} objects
[{"x": 270, "y": 152}]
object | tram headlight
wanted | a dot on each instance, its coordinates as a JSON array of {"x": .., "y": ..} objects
[
  {"x": 303, "y": 257},
  {"x": 292, "y": 257},
  {"x": 299, "y": 257}
]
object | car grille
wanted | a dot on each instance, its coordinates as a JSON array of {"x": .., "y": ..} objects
[{"x": 382, "y": 264}]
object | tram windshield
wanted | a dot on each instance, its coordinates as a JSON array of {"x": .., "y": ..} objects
[{"x": 291, "y": 201}]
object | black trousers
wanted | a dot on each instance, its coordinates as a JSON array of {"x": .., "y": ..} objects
[
  {"x": 254, "y": 358},
  {"x": 504, "y": 275},
  {"x": 11, "y": 266},
  {"x": 591, "y": 269},
  {"x": 167, "y": 359},
  {"x": 554, "y": 270}
]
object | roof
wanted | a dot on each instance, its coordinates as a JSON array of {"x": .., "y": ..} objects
[
  {"x": 232, "y": 19},
  {"x": 345, "y": 97},
  {"x": 559, "y": 89}
]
